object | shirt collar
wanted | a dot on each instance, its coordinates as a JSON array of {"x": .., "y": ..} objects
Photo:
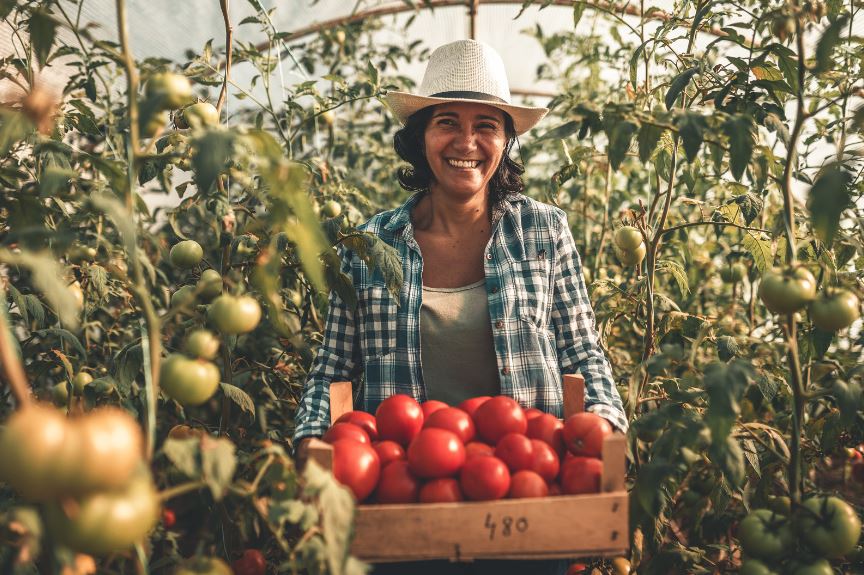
[{"x": 402, "y": 215}]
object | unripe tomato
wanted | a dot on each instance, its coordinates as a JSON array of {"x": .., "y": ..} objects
[
  {"x": 765, "y": 535},
  {"x": 388, "y": 451},
  {"x": 60, "y": 394},
  {"x": 435, "y": 453},
  {"x": 830, "y": 526},
  {"x": 628, "y": 238},
  {"x": 188, "y": 381},
  {"x": 363, "y": 420},
  {"x": 112, "y": 447},
  {"x": 452, "y": 419},
  {"x": 583, "y": 434},
  {"x": 441, "y": 490},
  {"x": 399, "y": 418},
  {"x": 210, "y": 284},
  {"x": 155, "y": 124},
  {"x": 397, "y": 484},
  {"x": 754, "y": 567},
  {"x": 499, "y": 416},
  {"x": 631, "y": 257},
  {"x": 581, "y": 475},
  {"x": 810, "y": 567},
  {"x": 431, "y": 406},
  {"x": 356, "y": 466},
  {"x": 526, "y": 483},
  {"x": 733, "y": 273},
  {"x": 184, "y": 296},
  {"x": 787, "y": 291},
  {"x": 251, "y": 563},
  {"x": 484, "y": 478},
  {"x": 331, "y": 209},
  {"x": 515, "y": 450},
  {"x": 345, "y": 430},
  {"x": 835, "y": 310},
  {"x": 201, "y": 115},
  {"x": 81, "y": 380},
  {"x": 234, "y": 314},
  {"x": 202, "y": 344},
  {"x": 186, "y": 254},
  {"x": 169, "y": 90},
  {"x": 203, "y": 566}
]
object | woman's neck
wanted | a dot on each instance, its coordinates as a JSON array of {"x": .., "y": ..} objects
[{"x": 438, "y": 212}]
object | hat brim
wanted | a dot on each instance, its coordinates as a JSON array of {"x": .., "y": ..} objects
[{"x": 404, "y": 105}]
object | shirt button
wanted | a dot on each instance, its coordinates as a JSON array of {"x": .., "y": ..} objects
[
  {"x": 494, "y": 289},
  {"x": 489, "y": 256},
  {"x": 499, "y": 324},
  {"x": 505, "y": 371}
]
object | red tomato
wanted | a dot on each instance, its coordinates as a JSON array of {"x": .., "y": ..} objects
[
  {"x": 356, "y": 466},
  {"x": 397, "y": 484},
  {"x": 346, "y": 431},
  {"x": 547, "y": 427},
  {"x": 478, "y": 448},
  {"x": 399, "y": 419},
  {"x": 499, "y": 416},
  {"x": 584, "y": 434},
  {"x": 435, "y": 453},
  {"x": 581, "y": 475},
  {"x": 431, "y": 406},
  {"x": 576, "y": 569},
  {"x": 169, "y": 518},
  {"x": 441, "y": 490},
  {"x": 388, "y": 451},
  {"x": 514, "y": 449},
  {"x": 363, "y": 420},
  {"x": 532, "y": 412},
  {"x": 526, "y": 483},
  {"x": 544, "y": 460},
  {"x": 484, "y": 478},
  {"x": 452, "y": 419},
  {"x": 251, "y": 563},
  {"x": 469, "y": 406}
]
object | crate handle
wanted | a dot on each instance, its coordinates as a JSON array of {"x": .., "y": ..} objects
[
  {"x": 573, "y": 387},
  {"x": 321, "y": 453}
]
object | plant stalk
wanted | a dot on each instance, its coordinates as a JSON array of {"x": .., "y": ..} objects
[{"x": 10, "y": 363}]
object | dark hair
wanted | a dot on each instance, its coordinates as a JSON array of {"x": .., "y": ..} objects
[{"x": 409, "y": 144}]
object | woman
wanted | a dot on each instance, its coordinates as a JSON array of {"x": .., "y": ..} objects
[{"x": 493, "y": 300}]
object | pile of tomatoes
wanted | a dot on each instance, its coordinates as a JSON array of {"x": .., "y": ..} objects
[{"x": 487, "y": 448}]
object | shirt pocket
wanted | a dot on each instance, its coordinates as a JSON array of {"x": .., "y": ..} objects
[
  {"x": 376, "y": 314},
  {"x": 532, "y": 283}
]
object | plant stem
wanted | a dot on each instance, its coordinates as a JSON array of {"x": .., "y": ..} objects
[
  {"x": 229, "y": 40},
  {"x": 606, "y": 192},
  {"x": 798, "y": 395},
  {"x": 10, "y": 363}
]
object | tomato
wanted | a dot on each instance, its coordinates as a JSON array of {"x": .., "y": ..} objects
[
  {"x": 829, "y": 525},
  {"x": 583, "y": 434},
  {"x": 397, "y": 484},
  {"x": 478, "y": 448},
  {"x": 112, "y": 446},
  {"x": 388, "y": 451},
  {"x": 620, "y": 566},
  {"x": 628, "y": 238},
  {"x": 765, "y": 535},
  {"x": 106, "y": 521},
  {"x": 252, "y": 562},
  {"x": 733, "y": 273},
  {"x": 154, "y": 125},
  {"x": 779, "y": 504},
  {"x": 356, "y": 466},
  {"x": 169, "y": 90},
  {"x": 77, "y": 293},
  {"x": 754, "y": 567},
  {"x": 469, "y": 406},
  {"x": 400, "y": 419},
  {"x": 331, "y": 209},
  {"x": 202, "y": 344},
  {"x": 630, "y": 257},
  {"x": 363, "y": 420},
  {"x": 81, "y": 380},
  {"x": 184, "y": 296},
  {"x": 835, "y": 310},
  {"x": 435, "y": 453},
  {"x": 186, "y": 254},
  {"x": 787, "y": 291},
  {"x": 188, "y": 381},
  {"x": 234, "y": 314},
  {"x": 811, "y": 567},
  {"x": 185, "y": 432},
  {"x": 484, "y": 478},
  {"x": 544, "y": 460},
  {"x": 201, "y": 115},
  {"x": 210, "y": 284},
  {"x": 452, "y": 419},
  {"x": 169, "y": 518},
  {"x": 526, "y": 483},
  {"x": 532, "y": 412},
  {"x": 345, "y": 430},
  {"x": 203, "y": 566},
  {"x": 581, "y": 475},
  {"x": 576, "y": 569},
  {"x": 499, "y": 416},
  {"x": 441, "y": 490},
  {"x": 514, "y": 449},
  {"x": 431, "y": 406},
  {"x": 547, "y": 428},
  {"x": 60, "y": 394}
]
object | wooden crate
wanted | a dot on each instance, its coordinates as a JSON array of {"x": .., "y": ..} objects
[{"x": 566, "y": 526}]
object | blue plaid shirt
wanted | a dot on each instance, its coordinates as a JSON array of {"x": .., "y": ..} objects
[{"x": 542, "y": 320}]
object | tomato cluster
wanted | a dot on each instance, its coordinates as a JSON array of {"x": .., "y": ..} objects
[{"x": 486, "y": 448}]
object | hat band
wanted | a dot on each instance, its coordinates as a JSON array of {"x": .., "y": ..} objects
[{"x": 467, "y": 95}]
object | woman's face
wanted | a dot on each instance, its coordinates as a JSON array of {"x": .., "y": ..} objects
[{"x": 464, "y": 145}]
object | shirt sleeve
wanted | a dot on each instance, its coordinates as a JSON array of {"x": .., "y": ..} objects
[
  {"x": 575, "y": 333},
  {"x": 337, "y": 360}
]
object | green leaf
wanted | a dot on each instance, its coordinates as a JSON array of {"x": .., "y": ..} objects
[
  {"x": 829, "y": 197},
  {"x": 210, "y": 154},
  {"x": 15, "y": 127},
  {"x": 218, "y": 463},
  {"x": 6, "y": 7},
  {"x": 64, "y": 336},
  {"x": 691, "y": 128},
  {"x": 729, "y": 457},
  {"x": 741, "y": 132},
  {"x": 578, "y": 10},
  {"x": 43, "y": 28},
  {"x": 339, "y": 281},
  {"x": 676, "y": 270},
  {"x": 678, "y": 84},
  {"x": 649, "y": 137},
  {"x": 48, "y": 276},
  {"x": 337, "y": 519},
  {"x": 760, "y": 248},
  {"x": 561, "y": 132},
  {"x": 380, "y": 257},
  {"x": 829, "y": 40},
  {"x": 183, "y": 454},
  {"x": 121, "y": 218},
  {"x": 727, "y": 348},
  {"x": 620, "y": 131},
  {"x": 238, "y": 396},
  {"x": 649, "y": 489}
]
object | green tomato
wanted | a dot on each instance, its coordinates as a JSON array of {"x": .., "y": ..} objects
[
  {"x": 813, "y": 567},
  {"x": 201, "y": 115},
  {"x": 630, "y": 258},
  {"x": 779, "y": 504},
  {"x": 202, "y": 344},
  {"x": 331, "y": 209},
  {"x": 755, "y": 567},
  {"x": 628, "y": 238},
  {"x": 830, "y": 526},
  {"x": 155, "y": 124},
  {"x": 204, "y": 566},
  {"x": 81, "y": 380},
  {"x": 186, "y": 254},
  {"x": 835, "y": 311},
  {"x": 787, "y": 291},
  {"x": 188, "y": 381},
  {"x": 185, "y": 295},
  {"x": 733, "y": 273},
  {"x": 234, "y": 314},
  {"x": 765, "y": 535},
  {"x": 60, "y": 394},
  {"x": 210, "y": 284},
  {"x": 169, "y": 90}
]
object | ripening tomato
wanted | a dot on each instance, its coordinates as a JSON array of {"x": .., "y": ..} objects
[
  {"x": 478, "y": 448},
  {"x": 431, "y": 406},
  {"x": 252, "y": 562},
  {"x": 400, "y": 419},
  {"x": 584, "y": 434},
  {"x": 514, "y": 449},
  {"x": 435, "y": 453},
  {"x": 388, "y": 451},
  {"x": 356, "y": 466},
  {"x": 345, "y": 431},
  {"x": 397, "y": 484},
  {"x": 484, "y": 478},
  {"x": 581, "y": 475},
  {"x": 544, "y": 460},
  {"x": 441, "y": 490},
  {"x": 499, "y": 416},
  {"x": 547, "y": 427},
  {"x": 363, "y": 420},
  {"x": 452, "y": 419},
  {"x": 469, "y": 406},
  {"x": 526, "y": 483},
  {"x": 532, "y": 412}
]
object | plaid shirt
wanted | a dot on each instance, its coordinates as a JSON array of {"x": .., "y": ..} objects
[{"x": 542, "y": 320}]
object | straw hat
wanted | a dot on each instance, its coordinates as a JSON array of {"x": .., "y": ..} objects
[{"x": 465, "y": 71}]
